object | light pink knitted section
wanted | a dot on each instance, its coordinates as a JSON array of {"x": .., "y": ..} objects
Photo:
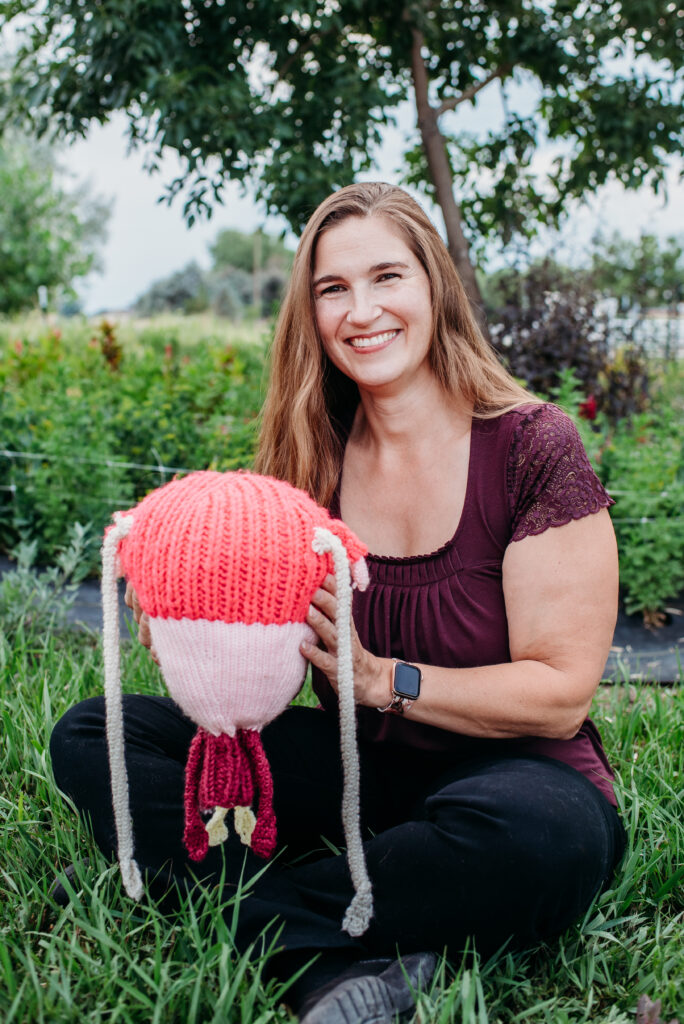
[
  {"x": 229, "y": 676},
  {"x": 234, "y": 547}
]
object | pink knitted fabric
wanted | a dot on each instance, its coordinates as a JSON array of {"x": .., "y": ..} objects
[{"x": 224, "y": 566}]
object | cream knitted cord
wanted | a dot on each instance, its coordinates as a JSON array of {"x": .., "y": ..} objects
[
  {"x": 114, "y": 717},
  {"x": 360, "y": 910}
]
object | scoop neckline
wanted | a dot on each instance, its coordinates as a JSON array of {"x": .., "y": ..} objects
[{"x": 444, "y": 549}]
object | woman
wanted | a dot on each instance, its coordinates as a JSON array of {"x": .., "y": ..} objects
[{"x": 486, "y": 796}]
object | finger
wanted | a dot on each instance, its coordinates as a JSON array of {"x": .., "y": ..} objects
[
  {"x": 322, "y": 659},
  {"x": 144, "y": 634},
  {"x": 330, "y": 584},
  {"x": 326, "y": 603},
  {"x": 323, "y": 627},
  {"x": 131, "y": 599}
]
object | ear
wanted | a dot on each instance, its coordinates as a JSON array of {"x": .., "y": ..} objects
[{"x": 355, "y": 552}]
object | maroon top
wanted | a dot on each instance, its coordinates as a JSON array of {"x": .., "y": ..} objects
[{"x": 528, "y": 471}]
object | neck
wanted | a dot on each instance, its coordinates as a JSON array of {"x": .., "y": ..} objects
[{"x": 409, "y": 417}]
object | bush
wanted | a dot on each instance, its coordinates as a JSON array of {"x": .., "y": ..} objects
[
  {"x": 35, "y": 602},
  {"x": 89, "y": 424},
  {"x": 641, "y": 464},
  {"x": 552, "y": 322},
  {"x": 98, "y": 419}
]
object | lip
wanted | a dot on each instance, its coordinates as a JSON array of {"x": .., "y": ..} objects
[{"x": 368, "y": 342}]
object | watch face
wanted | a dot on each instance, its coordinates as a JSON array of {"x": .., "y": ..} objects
[{"x": 406, "y": 680}]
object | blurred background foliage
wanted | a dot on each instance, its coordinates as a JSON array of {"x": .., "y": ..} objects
[
  {"x": 50, "y": 235},
  {"x": 93, "y": 416}
]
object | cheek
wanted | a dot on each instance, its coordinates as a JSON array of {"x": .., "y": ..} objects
[{"x": 326, "y": 323}]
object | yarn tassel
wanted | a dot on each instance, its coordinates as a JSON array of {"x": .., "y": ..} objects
[
  {"x": 130, "y": 872},
  {"x": 264, "y": 836},
  {"x": 226, "y": 779},
  {"x": 360, "y": 910},
  {"x": 195, "y": 835},
  {"x": 220, "y": 775}
]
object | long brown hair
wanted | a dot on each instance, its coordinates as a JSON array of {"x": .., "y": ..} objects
[{"x": 308, "y": 396}]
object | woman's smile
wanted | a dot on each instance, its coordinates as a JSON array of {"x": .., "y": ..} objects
[{"x": 368, "y": 342}]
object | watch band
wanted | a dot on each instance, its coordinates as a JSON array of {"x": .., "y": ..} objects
[{"x": 400, "y": 704}]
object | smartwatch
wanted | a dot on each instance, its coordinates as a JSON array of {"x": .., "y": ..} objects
[{"x": 406, "y": 680}]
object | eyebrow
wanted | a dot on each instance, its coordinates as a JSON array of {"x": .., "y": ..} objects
[{"x": 376, "y": 268}]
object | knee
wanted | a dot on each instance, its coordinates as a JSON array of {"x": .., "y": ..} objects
[{"x": 80, "y": 727}]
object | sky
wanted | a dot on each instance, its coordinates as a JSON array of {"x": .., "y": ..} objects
[{"x": 148, "y": 240}]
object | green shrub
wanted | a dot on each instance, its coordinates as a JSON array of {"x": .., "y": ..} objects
[
  {"x": 643, "y": 466},
  {"x": 99, "y": 417},
  {"x": 34, "y": 602},
  {"x": 90, "y": 424},
  {"x": 641, "y": 463}
]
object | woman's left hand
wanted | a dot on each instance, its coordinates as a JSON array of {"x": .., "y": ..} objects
[{"x": 370, "y": 686}]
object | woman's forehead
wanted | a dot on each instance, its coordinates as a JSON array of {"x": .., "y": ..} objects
[{"x": 360, "y": 240}]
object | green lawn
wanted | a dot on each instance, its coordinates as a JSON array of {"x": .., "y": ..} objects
[{"x": 107, "y": 959}]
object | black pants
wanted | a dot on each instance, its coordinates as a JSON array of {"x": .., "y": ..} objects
[{"x": 491, "y": 850}]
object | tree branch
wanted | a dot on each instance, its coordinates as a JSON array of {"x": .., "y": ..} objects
[{"x": 473, "y": 90}]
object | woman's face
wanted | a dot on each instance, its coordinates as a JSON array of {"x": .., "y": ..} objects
[{"x": 373, "y": 303}]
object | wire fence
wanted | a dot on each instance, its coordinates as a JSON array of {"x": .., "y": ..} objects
[
  {"x": 159, "y": 472},
  {"x": 165, "y": 472}
]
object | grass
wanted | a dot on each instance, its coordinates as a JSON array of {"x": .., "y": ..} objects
[
  {"x": 189, "y": 330},
  {"x": 107, "y": 959}
]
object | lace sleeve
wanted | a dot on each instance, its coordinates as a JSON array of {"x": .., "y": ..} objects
[{"x": 550, "y": 478}]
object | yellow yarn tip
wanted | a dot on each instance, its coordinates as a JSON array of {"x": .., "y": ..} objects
[
  {"x": 245, "y": 823},
  {"x": 216, "y": 827}
]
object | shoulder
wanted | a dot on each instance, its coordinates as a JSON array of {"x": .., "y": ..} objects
[
  {"x": 550, "y": 479},
  {"x": 541, "y": 429},
  {"x": 535, "y": 416}
]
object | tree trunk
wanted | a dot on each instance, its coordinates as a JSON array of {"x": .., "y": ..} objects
[{"x": 440, "y": 173}]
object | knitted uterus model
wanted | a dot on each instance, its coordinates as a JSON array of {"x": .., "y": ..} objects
[{"x": 225, "y": 566}]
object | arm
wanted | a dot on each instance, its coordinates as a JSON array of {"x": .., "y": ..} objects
[{"x": 560, "y": 589}]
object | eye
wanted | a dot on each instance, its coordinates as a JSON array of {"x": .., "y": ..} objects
[
  {"x": 331, "y": 289},
  {"x": 388, "y": 275}
]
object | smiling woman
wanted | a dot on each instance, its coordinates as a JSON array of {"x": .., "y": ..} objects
[{"x": 487, "y": 804}]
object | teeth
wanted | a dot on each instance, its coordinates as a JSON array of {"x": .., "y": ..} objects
[{"x": 377, "y": 339}]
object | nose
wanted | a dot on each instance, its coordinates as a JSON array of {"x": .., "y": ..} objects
[{"x": 362, "y": 308}]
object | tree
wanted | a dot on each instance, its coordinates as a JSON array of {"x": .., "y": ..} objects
[
  {"x": 647, "y": 272},
  {"x": 249, "y": 252},
  {"x": 183, "y": 291},
  {"x": 248, "y": 272},
  {"x": 48, "y": 237},
  {"x": 291, "y": 97}
]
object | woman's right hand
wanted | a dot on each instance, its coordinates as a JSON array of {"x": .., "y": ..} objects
[{"x": 142, "y": 619}]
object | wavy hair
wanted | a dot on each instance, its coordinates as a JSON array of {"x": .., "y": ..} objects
[{"x": 308, "y": 397}]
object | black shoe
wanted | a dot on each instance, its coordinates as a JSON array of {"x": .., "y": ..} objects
[
  {"x": 371, "y": 998},
  {"x": 360, "y": 969},
  {"x": 58, "y": 891}
]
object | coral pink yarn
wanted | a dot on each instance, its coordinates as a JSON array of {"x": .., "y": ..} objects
[{"x": 184, "y": 563}]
